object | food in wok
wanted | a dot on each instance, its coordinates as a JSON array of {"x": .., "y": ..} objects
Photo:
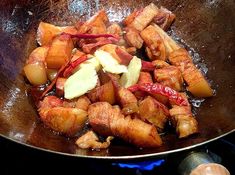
[{"x": 127, "y": 80}]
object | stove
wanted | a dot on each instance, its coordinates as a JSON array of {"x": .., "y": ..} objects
[{"x": 24, "y": 160}]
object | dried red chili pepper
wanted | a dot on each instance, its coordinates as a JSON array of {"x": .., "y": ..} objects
[
  {"x": 92, "y": 36},
  {"x": 72, "y": 65},
  {"x": 90, "y": 48},
  {"x": 173, "y": 96},
  {"x": 147, "y": 66},
  {"x": 134, "y": 88}
]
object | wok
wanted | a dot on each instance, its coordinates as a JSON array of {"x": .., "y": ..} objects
[{"x": 208, "y": 26}]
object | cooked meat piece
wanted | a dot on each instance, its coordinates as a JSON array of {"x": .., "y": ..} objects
[
  {"x": 133, "y": 38},
  {"x": 69, "y": 103},
  {"x": 126, "y": 97},
  {"x": 159, "y": 63},
  {"x": 131, "y": 108},
  {"x": 107, "y": 120},
  {"x": 190, "y": 73},
  {"x": 143, "y": 18},
  {"x": 169, "y": 43},
  {"x": 164, "y": 18},
  {"x": 129, "y": 19},
  {"x": 154, "y": 112},
  {"x": 100, "y": 115},
  {"x": 131, "y": 50},
  {"x": 50, "y": 102},
  {"x": 136, "y": 132},
  {"x": 128, "y": 101},
  {"x": 90, "y": 140},
  {"x": 179, "y": 56},
  {"x": 80, "y": 103},
  {"x": 103, "y": 76},
  {"x": 96, "y": 24},
  {"x": 83, "y": 103},
  {"x": 103, "y": 93},
  {"x": 140, "y": 95},
  {"x": 183, "y": 121},
  {"x": 149, "y": 53},
  {"x": 145, "y": 77},
  {"x": 64, "y": 120},
  {"x": 169, "y": 76},
  {"x": 91, "y": 47},
  {"x": 197, "y": 84},
  {"x": 115, "y": 29},
  {"x": 60, "y": 86},
  {"x": 154, "y": 42}
]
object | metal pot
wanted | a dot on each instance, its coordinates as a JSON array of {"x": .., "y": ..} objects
[{"x": 205, "y": 25}]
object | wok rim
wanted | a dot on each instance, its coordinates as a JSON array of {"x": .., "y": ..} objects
[{"x": 131, "y": 157}]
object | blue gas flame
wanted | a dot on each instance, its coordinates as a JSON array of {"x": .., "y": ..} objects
[{"x": 144, "y": 166}]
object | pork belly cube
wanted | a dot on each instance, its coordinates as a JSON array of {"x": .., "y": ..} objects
[
  {"x": 154, "y": 43},
  {"x": 160, "y": 63},
  {"x": 178, "y": 56},
  {"x": 126, "y": 97},
  {"x": 80, "y": 103},
  {"x": 183, "y": 120},
  {"x": 197, "y": 83},
  {"x": 99, "y": 117},
  {"x": 96, "y": 24},
  {"x": 154, "y": 112},
  {"x": 131, "y": 50},
  {"x": 145, "y": 77},
  {"x": 64, "y": 120},
  {"x": 91, "y": 140},
  {"x": 164, "y": 18},
  {"x": 130, "y": 18},
  {"x": 59, "y": 52},
  {"x": 115, "y": 29},
  {"x": 144, "y": 18},
  {"x": 60, "y": 86},
  {"x": 133, "y": 38},
  {"x": 169, "y": 76},
  {"x": 103, "y": 93},
  {"x": 108, "y": 120},
  {"x": 128, "y": 101},
  {"x": 83, "y": 103}
]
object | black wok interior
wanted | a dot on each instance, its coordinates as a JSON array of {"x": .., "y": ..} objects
[{"x": 208, "y": 26}]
